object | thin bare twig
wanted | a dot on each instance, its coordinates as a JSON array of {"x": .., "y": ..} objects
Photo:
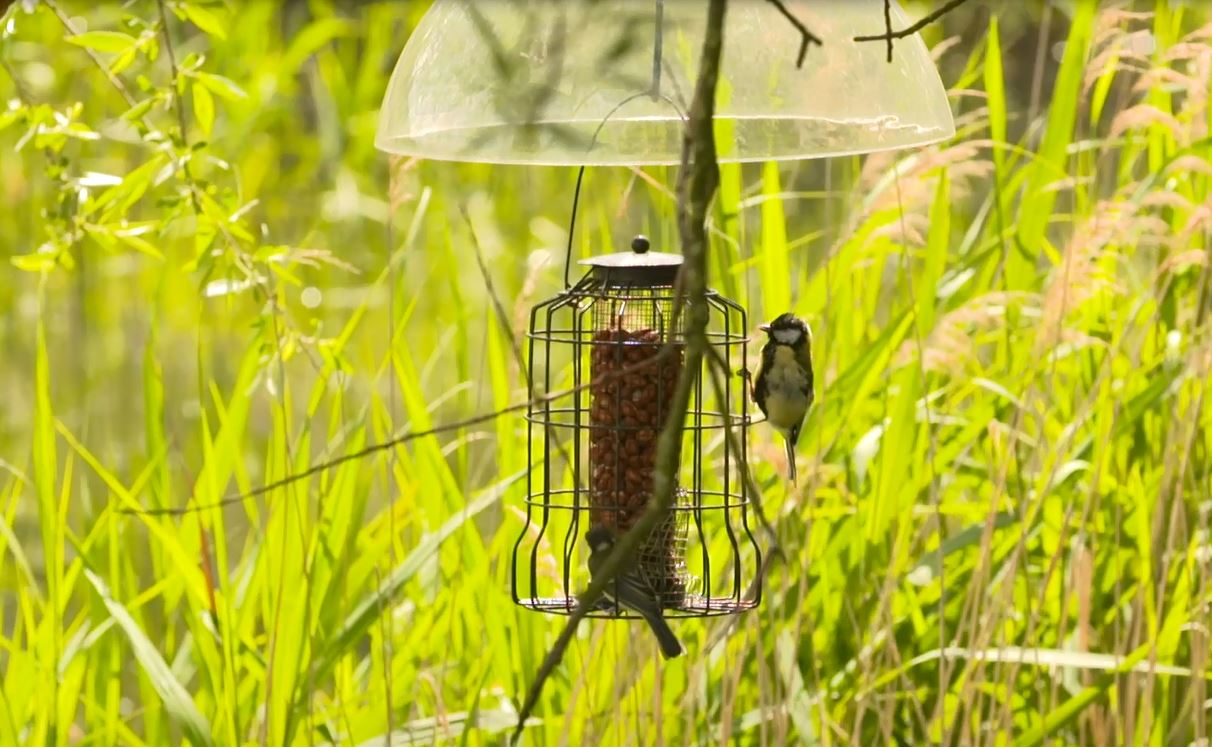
[
  {"x": 399, "y": 439},
  {"x": 889, "y": 35},
  {"x": 114, "y": 80},
  {"x": 719, "y": 370},
  {"x": 515, "y": 347},
  {"x": 497, "y": 304},
  {"x": 172, "y": 63},
  {"x": 807, "y": 38}
]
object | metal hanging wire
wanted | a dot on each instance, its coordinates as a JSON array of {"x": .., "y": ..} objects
[{"x": 654, "y": 92}]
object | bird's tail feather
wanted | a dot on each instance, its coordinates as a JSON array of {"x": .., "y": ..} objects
[
  {"x": 670, "y": 645},
  {"x": 790, "y": 459}
]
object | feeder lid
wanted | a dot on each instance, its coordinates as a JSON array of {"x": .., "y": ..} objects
[
  {"x": 608, "y": 82},
  {"x": 636, "y": 267}
]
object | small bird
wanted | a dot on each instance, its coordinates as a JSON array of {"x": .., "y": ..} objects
[
  {"x": 630, "y": 589},
  {"x": 782, "y": 388}
]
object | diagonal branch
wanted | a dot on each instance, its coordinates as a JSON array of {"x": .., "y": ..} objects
[
  {"x": 807, "y": 38},
  {"x": 697, "y": 183},
  {"x": 400, "y": 439}
]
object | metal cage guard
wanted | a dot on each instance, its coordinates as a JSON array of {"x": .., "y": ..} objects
[{"x": 615, "y": 331}]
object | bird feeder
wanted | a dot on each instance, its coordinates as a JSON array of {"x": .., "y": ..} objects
[
  {"x": 614, "y": 342},
  {"x": 607, "y": 82}
]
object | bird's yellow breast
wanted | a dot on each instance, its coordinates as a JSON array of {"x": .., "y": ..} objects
[{"x": 786, "y": 381}]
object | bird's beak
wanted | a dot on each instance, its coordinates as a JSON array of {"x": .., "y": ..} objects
[{"x": 764, "y": 327}]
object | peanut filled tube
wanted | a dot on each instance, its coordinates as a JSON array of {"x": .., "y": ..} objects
[{"x": 626, "y": 415}]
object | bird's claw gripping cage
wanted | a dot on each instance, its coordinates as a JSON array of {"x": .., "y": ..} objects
[{"x": 614, "y": 342}]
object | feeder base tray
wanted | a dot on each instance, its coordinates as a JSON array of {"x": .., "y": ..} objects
[{"x": 692, "y": 606}]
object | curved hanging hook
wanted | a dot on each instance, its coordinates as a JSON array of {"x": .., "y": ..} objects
[{"x": 655, "y": 93}]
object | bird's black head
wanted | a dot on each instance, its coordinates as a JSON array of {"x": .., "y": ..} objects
[
  {"x": 787, "y": 329},
  {"x": 599, "y": 538}
]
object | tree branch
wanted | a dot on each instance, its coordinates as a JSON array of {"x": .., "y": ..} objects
[
  {"x": 697, "y": 183},
  {"x": 888, "y": 26},
  {"x": 889, "y": 34},
  {"x": 807, "y": 38}
]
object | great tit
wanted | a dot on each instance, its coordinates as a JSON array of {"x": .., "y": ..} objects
[
  {"x": 630, "y": 589},
  {"x": 782, "y": 388}
]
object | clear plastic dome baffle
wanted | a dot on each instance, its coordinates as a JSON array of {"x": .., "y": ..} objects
[{"x": 608, "y": 82}]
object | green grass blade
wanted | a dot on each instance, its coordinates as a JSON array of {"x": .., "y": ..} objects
[
  {"x": 180, "y": 706},
  {"x": 775, "y": 265},
  {"x": 46, "y": 470},
  {"x": 372, "y": 605},
  {"x": 1038, "y": 200},
  {"x": 1069, "y": 710}
]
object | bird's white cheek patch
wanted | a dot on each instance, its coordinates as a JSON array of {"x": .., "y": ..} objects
[{"x": 786, "y": 336}]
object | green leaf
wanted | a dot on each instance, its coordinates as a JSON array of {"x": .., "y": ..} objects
[
  {"x": 786, "y": 648},
  {"x": 222, "y": 87},
  {"x": 204, "y": 108},
  {"x": 995, "y": 87},
  {"x": 1102, "y": 87},
  {"x": 776, "y": 271},
  {"x": 205, "y": 20},
  {"x": 930, "y": 566},
  {"x": 1053, "y": 161},
  {"x": 938, "y": 243},
  {"x": 140, "y": 245},
  {"x": 123, "y": 60},
  {"x": 34, "y": 262},
  {"x": 103, "y": 41},
  {"x": 46, "y": 474},
  {"x": 180, "y": 706},
  {"x": 9, "y": 117},
  {"x": 308, "y": 41},
  {"x": 139, "y": 110}
]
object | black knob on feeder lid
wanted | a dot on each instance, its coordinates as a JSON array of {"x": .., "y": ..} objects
[{"x": 638, "y": 267}]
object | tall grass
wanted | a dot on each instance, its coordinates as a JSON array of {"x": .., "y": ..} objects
[{"x": 1001, "y": 532}]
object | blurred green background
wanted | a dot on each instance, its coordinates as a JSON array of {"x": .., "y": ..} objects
[{"x": 1000, "y": 533}]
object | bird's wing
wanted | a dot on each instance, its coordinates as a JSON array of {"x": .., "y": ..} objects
[
  {"x": 804, "y": 358},
  {"x": 760, "y": 383},
  {"x": 638, "y": 594}
]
